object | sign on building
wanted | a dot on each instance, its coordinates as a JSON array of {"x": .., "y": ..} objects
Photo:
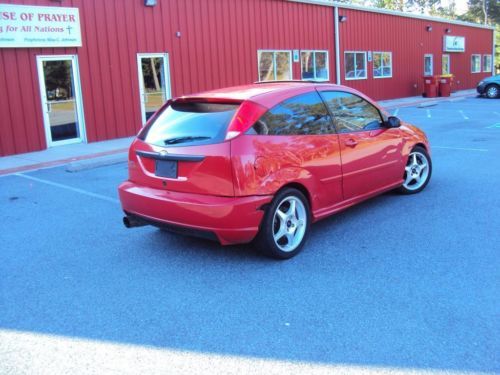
[
  {"x": 454, "y": 43},
  {"x": 24, "y": 26}
]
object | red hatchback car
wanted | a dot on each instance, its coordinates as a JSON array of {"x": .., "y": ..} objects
[{"x": 262, "y": 162}]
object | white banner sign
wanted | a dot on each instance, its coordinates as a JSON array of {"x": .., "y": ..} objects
[
  {"x": 454, "y": 44},
  {"x": 34, "y": 26}
]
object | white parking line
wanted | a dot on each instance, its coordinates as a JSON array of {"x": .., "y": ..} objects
[
  {"x": 396, "y": 112},
  {"x": 463, "y": 114},
  {"x": 494, "y": 126},
  {"x": 428, "y": 113},
  {"x": 461, "y": 148},
  {"x": 76, "y": 190}
]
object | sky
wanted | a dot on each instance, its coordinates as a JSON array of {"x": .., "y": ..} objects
[{"x": 461, "y": 5}]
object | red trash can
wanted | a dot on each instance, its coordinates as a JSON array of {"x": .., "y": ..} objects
[
  {"x": 445, "y": 85},
  {"x": 430, "y": 87}
]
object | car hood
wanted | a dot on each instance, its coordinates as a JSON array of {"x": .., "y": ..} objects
[{"x": 492, "y": 79}]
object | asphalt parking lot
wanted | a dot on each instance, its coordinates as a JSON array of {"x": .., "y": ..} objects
[{"x": 397, "y": 283}]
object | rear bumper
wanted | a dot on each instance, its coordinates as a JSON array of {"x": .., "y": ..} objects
[{"x": 232, "y": 220}]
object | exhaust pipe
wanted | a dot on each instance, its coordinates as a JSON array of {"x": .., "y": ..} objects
[{"x": 132, "y": 222}]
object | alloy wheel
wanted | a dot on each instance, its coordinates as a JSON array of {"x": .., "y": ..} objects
[
  {"x": 492, "y": 92},
  {"x": 416, "y": 171},
  {"x": 289, "y": 223}
]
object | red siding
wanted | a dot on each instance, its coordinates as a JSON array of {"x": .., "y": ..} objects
[
  {"x": 408, "y": 40},
  {"x": 218, "y": 47}
]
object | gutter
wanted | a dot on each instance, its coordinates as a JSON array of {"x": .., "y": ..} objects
[
  {"x": 337, "y": 46},
  {"x": 329, "y": 3}
]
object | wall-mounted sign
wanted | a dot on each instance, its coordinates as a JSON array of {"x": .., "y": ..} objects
[
  {"x": 34, "y": 26},
  {"x": 369, "y": 55},
  {"x": 453, "y": 43},
  {"x": 296, "y": 55}
]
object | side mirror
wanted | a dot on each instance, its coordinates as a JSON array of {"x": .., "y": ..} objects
[{"x": 393, "y": 122}]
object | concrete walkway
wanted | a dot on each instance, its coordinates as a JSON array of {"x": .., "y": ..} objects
[{"x": 88, "y": 155}]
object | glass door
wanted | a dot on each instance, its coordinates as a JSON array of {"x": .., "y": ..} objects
[
  {"x": 61, "y": 99},
  {"x": 154, "y": 82}
]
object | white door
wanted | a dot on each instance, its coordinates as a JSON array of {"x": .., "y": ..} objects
[
  {"x": 154, "y": 82},
  {"x": 61, "y": 99}
]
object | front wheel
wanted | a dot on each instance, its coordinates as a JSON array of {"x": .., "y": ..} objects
[
  {"x": 492, "y": 91},
  {"x": 417, "y": 172},
  {"x": 285, "y": 225}
]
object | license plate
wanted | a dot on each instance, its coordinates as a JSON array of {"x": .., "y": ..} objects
[{"x": 166, "y": 168}]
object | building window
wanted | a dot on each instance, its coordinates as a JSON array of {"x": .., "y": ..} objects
[
  {"x": 487, "y": 63},
  {"x": 314, "y": 65},
  {"x": 382, "y": 64},
  {"x": 476, "y": 63},
  {"x": 445, "y": 63},
  {"x": 428, "y": 64},
  {"x": 355, "y": 65},
  {"x": 275, "y": 65}
]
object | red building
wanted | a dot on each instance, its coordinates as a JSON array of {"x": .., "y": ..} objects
[{"x": 85, "y": 71}]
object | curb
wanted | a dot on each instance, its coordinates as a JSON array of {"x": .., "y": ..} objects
[
  {"x": 56, "y": 163},
  {"x": 102, "y": 161},
  {"x": 435, "y": 101}
]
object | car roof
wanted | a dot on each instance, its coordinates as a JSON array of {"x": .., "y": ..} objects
[{"x": 267, "y": 94}]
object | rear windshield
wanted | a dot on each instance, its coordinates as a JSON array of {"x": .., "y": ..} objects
[{"x": 182, "y": 124}]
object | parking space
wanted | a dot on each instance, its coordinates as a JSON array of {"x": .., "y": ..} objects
[{"x": 398, "y": 282}]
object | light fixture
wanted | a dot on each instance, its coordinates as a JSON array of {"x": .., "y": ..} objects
[
  {"x": 428, "y": 28},
  {"x": 447, "y": 31},
  {"x": 342, "y": 18},
  {"x": 150, "y": 3}
]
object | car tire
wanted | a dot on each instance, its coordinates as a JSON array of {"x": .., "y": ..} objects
[
  {"x": 418, "y": 171},
  {"x": 492, "y": 91},
  {"x": 285, "y": 226}
]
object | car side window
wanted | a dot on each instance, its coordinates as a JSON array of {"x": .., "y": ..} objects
[
  {"x": 351, "y": 113},
  {"x": 304, "y": 114}
]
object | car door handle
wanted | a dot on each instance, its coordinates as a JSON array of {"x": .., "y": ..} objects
[{"x": 350, "y": 143}]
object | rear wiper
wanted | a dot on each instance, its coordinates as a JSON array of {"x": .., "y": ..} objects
[{"x": 172, "y": 141}]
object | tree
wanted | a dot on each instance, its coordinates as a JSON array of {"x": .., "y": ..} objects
[{"x": 487, "y": 12}]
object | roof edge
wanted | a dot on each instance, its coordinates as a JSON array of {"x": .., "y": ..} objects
[{"x": 392, "y": 13}]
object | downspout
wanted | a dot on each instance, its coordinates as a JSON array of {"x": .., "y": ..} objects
[
  {"x": 493, "y": 66},
  {"x": 337, "y": 45}
]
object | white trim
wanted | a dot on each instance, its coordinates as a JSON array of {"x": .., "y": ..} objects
[
  {"x": 432, "y": 64},
  {"x": 365, "y": 67},
  {"x": 490, "y": 65},
  {"x": 166, "y": 74},
  {"x": 373, "y": 67},
  {"x": 337, "y": 46},
  {"x": 449, "y": 63},
  {"x": 314, "y": 51},
  {"x": 75, "y": 72},
  {"x": 274, "y": 51},
  {"x": 329, "y": 3},
  {"x": 472, "y": 64}
]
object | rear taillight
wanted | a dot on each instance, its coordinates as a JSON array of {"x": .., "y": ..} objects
[{"x": 248, "y": 113}]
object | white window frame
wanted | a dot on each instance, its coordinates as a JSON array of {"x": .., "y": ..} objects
[
  {"x": 449, "y": 63},
  {"x": 426, "y": 74},
  {"x": 166, "y": 74},
  {"x": 314, "y": 51},
  {"x": 489, "y": 67},
  {"x": 75, "y": 71},
  {"x": 472, "y": 63},
  {"x": 373, "y": 59},
  {"x": 365, "y": 67},
  {"x": 274, "y": 51}
]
